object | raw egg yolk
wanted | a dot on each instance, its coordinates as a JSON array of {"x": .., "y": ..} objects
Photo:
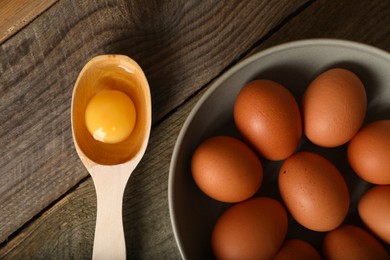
[{"x": 110, "y": 116}]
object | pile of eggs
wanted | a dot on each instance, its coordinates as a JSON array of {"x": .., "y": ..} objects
[{"x": 312, "y": 189}]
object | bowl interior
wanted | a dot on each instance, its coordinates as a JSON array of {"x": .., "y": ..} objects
[{"x": 294, "y": 65}]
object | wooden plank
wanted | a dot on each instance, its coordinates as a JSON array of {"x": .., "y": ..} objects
[
  {"x": 70, "y": 221},
  {"x": 180, "y": 44},
  {"x": 15, "y": 14},
  {"x": 69, "y": 224},
  {"x": 364, "y": 21}
]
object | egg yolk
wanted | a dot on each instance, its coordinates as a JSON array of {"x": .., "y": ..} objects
[{"x": 110, "y": 116}]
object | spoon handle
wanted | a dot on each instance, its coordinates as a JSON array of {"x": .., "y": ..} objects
[{"x": 109, "y": 242}]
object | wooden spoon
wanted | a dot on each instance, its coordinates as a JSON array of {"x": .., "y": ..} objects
[{"x": 111, "y": 165}]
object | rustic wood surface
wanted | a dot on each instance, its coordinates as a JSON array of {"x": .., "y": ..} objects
[
  {"x": 47, "y": 199},
  {"x": 177, "y": 43},
  {"x": 15, "y": 14}
]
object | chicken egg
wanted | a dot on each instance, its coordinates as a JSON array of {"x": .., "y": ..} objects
[
  {"x": 252, "y": 229},
  {"x": 333, "y": 107},
  {"x": 110, "y": 116},
  {"x": 352, "y": 242},
  {"x": 369, "y": 152},
  {"x": 374, "y": 210},
  {"x": 268, "y": 116},
  {"x": 226, "y": 169},
  {"x": 296, "y": 249},
  {"x": 313, "y": 191}
]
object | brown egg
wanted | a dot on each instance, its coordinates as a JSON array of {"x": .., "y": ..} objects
[
  {"x": 253, "y": 229},
  {"x": 268, "y": 116},
  {"x": 226, "y": 169},
  {"x": 374, "y": 210},
  {"x": 295, "y": 249},
  {"x": 369, "y": 152},
  {"x": 351, "y": 242},
  {"x": 333, "y": 107},
  {"x": 314, "y": 191}
]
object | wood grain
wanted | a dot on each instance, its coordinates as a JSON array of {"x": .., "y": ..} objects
[
  {"x": 15, "y": 14},
  {"x": 364, "y": 21},
  {"x": 66, "y": 230},
  {"x": 70, "y": 223},
  {"x": 181, "y": 45}
]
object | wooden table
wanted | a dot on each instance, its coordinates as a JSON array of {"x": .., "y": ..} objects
[{"x": 47, "y": 199}]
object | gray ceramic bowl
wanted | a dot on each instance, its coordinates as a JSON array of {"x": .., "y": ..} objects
[{"x": 294, "y": 65}]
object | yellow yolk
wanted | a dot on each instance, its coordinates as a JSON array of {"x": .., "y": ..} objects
[{"x": 110, "y": 116}]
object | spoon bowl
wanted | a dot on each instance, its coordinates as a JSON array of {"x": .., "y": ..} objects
[{"x": 111, "y": 165}]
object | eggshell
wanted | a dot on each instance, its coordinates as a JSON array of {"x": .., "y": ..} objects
[
  {"x": 313, "y": 191},
  {"x": 374, "y": 210},
  {"x": 351, "y": 242},
  {"x": 226, "y": 169},
  {"x": 333, "y": 107},
  {"x": 268, "y": 116},
  {"x": 369, "y": 152},
  {"x": 253, "y": 229},
  {"x": 295, "y": 249}
]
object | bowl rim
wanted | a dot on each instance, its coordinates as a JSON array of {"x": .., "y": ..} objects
[{"x": 235, "y": 68}]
